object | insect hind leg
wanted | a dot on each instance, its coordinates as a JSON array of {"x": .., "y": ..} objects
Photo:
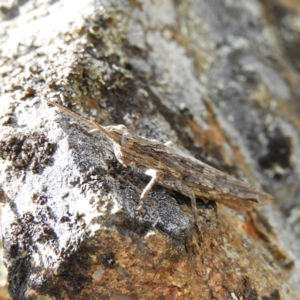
[
  {"x": 92, "y": 131},
  {"x": 75, "y": 124},
  {"x": 183, "y": 189},
  {"x": 145, "y": 192}
]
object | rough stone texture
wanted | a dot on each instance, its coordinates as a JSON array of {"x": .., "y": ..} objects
[{"x": 218, "y": 78}]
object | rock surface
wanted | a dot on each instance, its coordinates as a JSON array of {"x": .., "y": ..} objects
[{"x": 218, "y": 78}]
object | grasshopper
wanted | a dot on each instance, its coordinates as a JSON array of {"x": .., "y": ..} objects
[{"x": 175, "y": 170}]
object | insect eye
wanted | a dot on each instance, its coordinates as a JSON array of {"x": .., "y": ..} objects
[{"x": 126, "y": 139}]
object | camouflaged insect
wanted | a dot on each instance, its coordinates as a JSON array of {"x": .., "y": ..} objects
[{"x": 175, "y": 170}]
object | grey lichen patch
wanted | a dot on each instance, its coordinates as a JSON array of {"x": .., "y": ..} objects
[
  {"x": 108, "y": 27},
  {"x": 199, "y": 41},
  {"x": 98, "y": 62},
  {"x": 31, "y": 247},
  {"x": 93, "y": 179},
  {"x": 32, "y": 151},
  {"x": 100, "y": 77}
]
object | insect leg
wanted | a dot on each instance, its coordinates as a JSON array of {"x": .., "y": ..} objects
[
  {"x": 75, "y": 124},
  {"x": 94, "y": 131},
  {"x": 78, "y": 126},
  {"x": 183, "y": 189},
  {"x": 145, "y": 192}
]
